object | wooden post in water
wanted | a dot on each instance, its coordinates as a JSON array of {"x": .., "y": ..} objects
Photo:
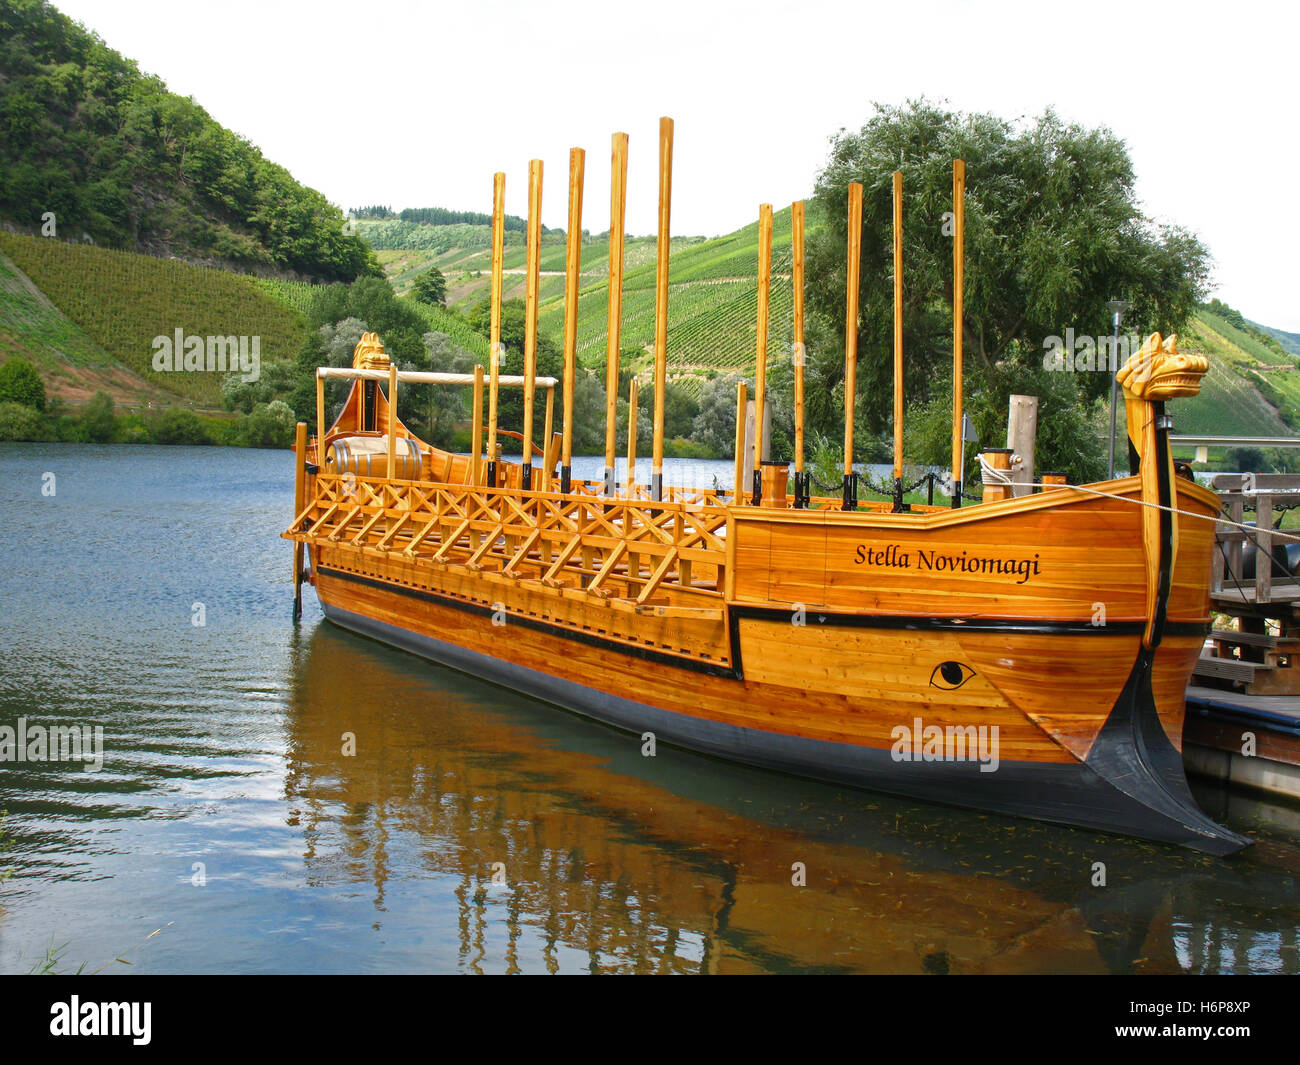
[
  {"x": 851, "y": 340},
  {"x": 572, "y": 269},
  {"x": 299, "y": 504},
  {"x": 742, "y": 404},
  {"x": 661, "y": 303},
  {"x": 802, "y": 493},
  {"x": 631, "y": 438},
  {"x": 530, "y": 315},
  {"x": 476, "y": 444},
  {"x": 760, "y": 360},
  {"x": 899, "y": 505},
  {"x": 958, "y": 299},
  {"x": 494, "y": 328},
  {"x": 392, "y": 419},
  {"x": 617, "y": 222}
]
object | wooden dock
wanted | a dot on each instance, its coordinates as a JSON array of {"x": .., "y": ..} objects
[
  {"x": 1243, "y": 705},
  {"x": 1252, "y": 740}
]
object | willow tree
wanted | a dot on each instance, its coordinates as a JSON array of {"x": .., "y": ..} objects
[{"x": 1053, "y": 232}]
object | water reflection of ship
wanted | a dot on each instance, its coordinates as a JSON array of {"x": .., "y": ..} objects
[{"x": 678, "y": 863}]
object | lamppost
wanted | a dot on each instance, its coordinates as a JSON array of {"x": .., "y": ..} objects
[{"x": 1117, "y": 309}]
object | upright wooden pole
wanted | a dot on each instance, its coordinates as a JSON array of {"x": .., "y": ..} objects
[
  {"x": 851, "y": 340},
  {"x": 530, "y": 314},
  {"x": 494, "y": 328},
  {"x": 572, "y": 268},
  {"x": 742, "y": 403},
  {"x": 299, "y": 505},
  {"x": 1022, "y": 434},
  {"x": 617, "y": 222},
  {"x": 631, "y": 438},
  {"x": 392, "y": 419},
  {"x": 321, "y": 427},
  {"x": 661, "y": 303},
  {"x": 760, "y": 359},
  {"x": 801, "y": 488},
  {"x": 898, "y": 341},
  {"x": 548, "y": 455},
  {"x": 958, "y": 298},
  {"x": 476, "y": 445}
]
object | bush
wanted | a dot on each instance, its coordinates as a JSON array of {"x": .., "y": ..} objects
[
  {"x": 20, "y": 383},
  {"x": 176, "y": 425},
  {"x": 20, "y": 422},
  {"x": 98, "y": 418},
  {"x": 270, "y": 425}
]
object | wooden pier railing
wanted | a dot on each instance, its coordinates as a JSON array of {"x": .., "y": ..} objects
[
  {"x": 1235, "y": 588},
  {"x": 1254, "y": 583}
]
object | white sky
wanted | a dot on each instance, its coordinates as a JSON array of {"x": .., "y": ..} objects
[{"x": 417, "y": 104}]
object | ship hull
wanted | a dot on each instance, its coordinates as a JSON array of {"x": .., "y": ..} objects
[{"x": 869, "y": 732}]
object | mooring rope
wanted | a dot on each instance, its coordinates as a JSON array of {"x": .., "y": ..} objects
[
  {"x": 992, "y": 475},
  {"x": 1159, "y": 506}
]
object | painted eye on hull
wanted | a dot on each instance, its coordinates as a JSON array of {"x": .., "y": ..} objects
[{"x": 950, "y": 675}]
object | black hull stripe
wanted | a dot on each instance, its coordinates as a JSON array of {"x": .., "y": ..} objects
[
  {"x": 736, "y": 613},
  {"x": 921, "y": 622}
]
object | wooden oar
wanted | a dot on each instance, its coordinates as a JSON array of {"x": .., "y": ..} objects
[
  {"x": 661, "y": 303},
  {"x": 617, "y": 221},
  {"x": 958, "y": 297},
  {"x": 802, "y": 493},
  {"x": 760, "y": 357},
  {"x": 899, "y": 505},
  {"x": 851, "y": 339},
  {"x": 530, "y": 314},
  {"x": 494, "y": 328},
  {"x": 631, "y": 438},
  {"x": 572, "y": 269}
]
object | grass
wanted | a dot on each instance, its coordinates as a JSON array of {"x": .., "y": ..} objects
[
  {"x": 1230, "y": 402},
  {"x": 121, "y": 301},
  {"x": 712, "y": 300}
]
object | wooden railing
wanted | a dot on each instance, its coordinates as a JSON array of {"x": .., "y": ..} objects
[
  {"x": 669, "y": 552},
  {"x": 1267, "y": 495}
]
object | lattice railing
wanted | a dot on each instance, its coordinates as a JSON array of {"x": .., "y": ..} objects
[{"x": 633, "y": 549}]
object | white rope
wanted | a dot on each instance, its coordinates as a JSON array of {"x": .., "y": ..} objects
[
  {"x": 992, "y": 475},
  {"x": 1277, "y": 534}
]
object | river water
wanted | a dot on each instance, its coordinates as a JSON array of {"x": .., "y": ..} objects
[{"x": 468, "y": 829}]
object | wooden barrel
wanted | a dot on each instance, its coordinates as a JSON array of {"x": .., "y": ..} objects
[
  {"x": 775, "y": 477},
  {"x": 367, "y": 456},
  {"x": 1052, "y": 480}
]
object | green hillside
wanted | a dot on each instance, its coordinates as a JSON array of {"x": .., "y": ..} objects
[
  {"x": 95, "y": 148},
  {"x": 1252, "y": 389},
  {"x": 119, "y": 301},
  {"x": 712, "y": 301},
  {"x": 70, "y": 363},
  {"x": 1232, "y": 401},
  {"x": 1290, "y": 341}
]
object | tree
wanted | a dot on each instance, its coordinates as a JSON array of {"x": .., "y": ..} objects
[
  {"x": 176, "y": 425},
  {"x": 715, "y": 424},
  {"x": 98, "y": 419},
  {"x": 431, "y": 287},
  {"x": 1053, "y": 231},
  {"x": 20, "y": 383},
  {"x": 550, "y": 363}
]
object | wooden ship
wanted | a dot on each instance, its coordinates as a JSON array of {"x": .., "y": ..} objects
[{"x": 1025, "y": 654}]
